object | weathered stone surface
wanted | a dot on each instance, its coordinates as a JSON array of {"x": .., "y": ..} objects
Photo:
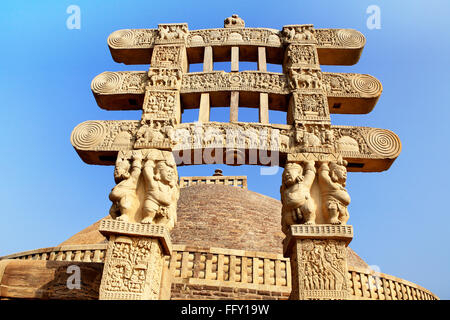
[{"x": 48, "y": 280}]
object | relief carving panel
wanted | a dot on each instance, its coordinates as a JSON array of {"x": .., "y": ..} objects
[
  {"x": 321, "y": 269},
  {"x": 133, "y": 268},
  {"x": 243, "y": 81},
  {"x": 350, "y": 142}
]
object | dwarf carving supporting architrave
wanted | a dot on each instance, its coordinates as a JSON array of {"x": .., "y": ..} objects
[
  {"x": 335, "y": 198},
  {"x": 147, "y": 188},
  {"x": 298, "y": 205},
  {"x": 327, "y": 205}
]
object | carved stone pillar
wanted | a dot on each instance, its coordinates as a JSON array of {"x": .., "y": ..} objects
[
  {"x": 313, "y": 218},
  {"x": 168, "y": 64},
  {"x": 308, "y": 103},
  {"x": 143, "y": 212},
  {"x": 318, "y": 259},
  {"x": 134, "y": 260}
]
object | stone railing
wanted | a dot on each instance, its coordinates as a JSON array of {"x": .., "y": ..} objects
[
  {"x": 371, "y": 285},
  {"x": 235, "y": 181},
  {"x": 76, "y": 253},
  {"x": 228, "y": 267},
  {"x": 216, "y": 267}
]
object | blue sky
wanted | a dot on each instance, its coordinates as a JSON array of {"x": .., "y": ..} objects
[{"x": 400, "y": 216}]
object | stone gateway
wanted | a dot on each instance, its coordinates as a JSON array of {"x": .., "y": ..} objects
[{"x": 190, "y": 238}]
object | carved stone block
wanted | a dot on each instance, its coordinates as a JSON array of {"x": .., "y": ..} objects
[
  {"x": 170, "y": 56},
  {"x": 305, "y": 78},
  {"x": 319, "y": 232},
  {"x": 299, "y": 33},
  {"x": 161, "y": 105},
  {"x": 308, "y": 106},
  {"x": 300, "y": 55},
  {"x": 133, "y": 269},
  {"x": 318, "y": 261},
  {"x": 154, "y": 133},
  {"x": 111, "y": 227},
  {"x": 172, "y": 33},
  {"x": 164, "y": 78},
  {"x": 313, "y": 137}
]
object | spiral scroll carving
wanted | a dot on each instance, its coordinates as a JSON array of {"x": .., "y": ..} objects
[
  {"x": 235, "y": 79},
  {"x": 106, "y": 82},
  {"x": 384, "y": 142},
  {"x": 88, "y": 134},
  {"x": 121, "y": 38},
  {"x": 351, "y": 38},
  {"x": 367, "y": 84}
]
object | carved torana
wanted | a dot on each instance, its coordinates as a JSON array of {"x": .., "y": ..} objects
[{"x": 315, "y": 154}]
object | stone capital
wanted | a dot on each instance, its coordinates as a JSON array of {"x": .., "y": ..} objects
[
  {"x": 318, "y": 232},
  {"x": 116, "y": 227}
]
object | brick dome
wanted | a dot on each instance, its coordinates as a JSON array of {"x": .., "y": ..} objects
[
  {"x": 217, "y": 216},
  {"x": 228, "y": 217}
]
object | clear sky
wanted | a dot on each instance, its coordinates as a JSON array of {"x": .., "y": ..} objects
[{"x": 400, "y": 217}]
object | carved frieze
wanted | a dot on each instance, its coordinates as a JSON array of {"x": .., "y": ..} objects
[
  {"x": 155, "y": 134},
  {"x": 351, "y": 85},
  {"x": 230, "y": 136},
  {"x": 105, "y": 135},
  {"x": 334, "y": 84},
  {"x": 234, "y": 36},
  {"x": 326, "y": 38},
  {"x": 244, "y": 81},
  {"x": 313, "y": 138},
  {"x": 350, "y": 142}
]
